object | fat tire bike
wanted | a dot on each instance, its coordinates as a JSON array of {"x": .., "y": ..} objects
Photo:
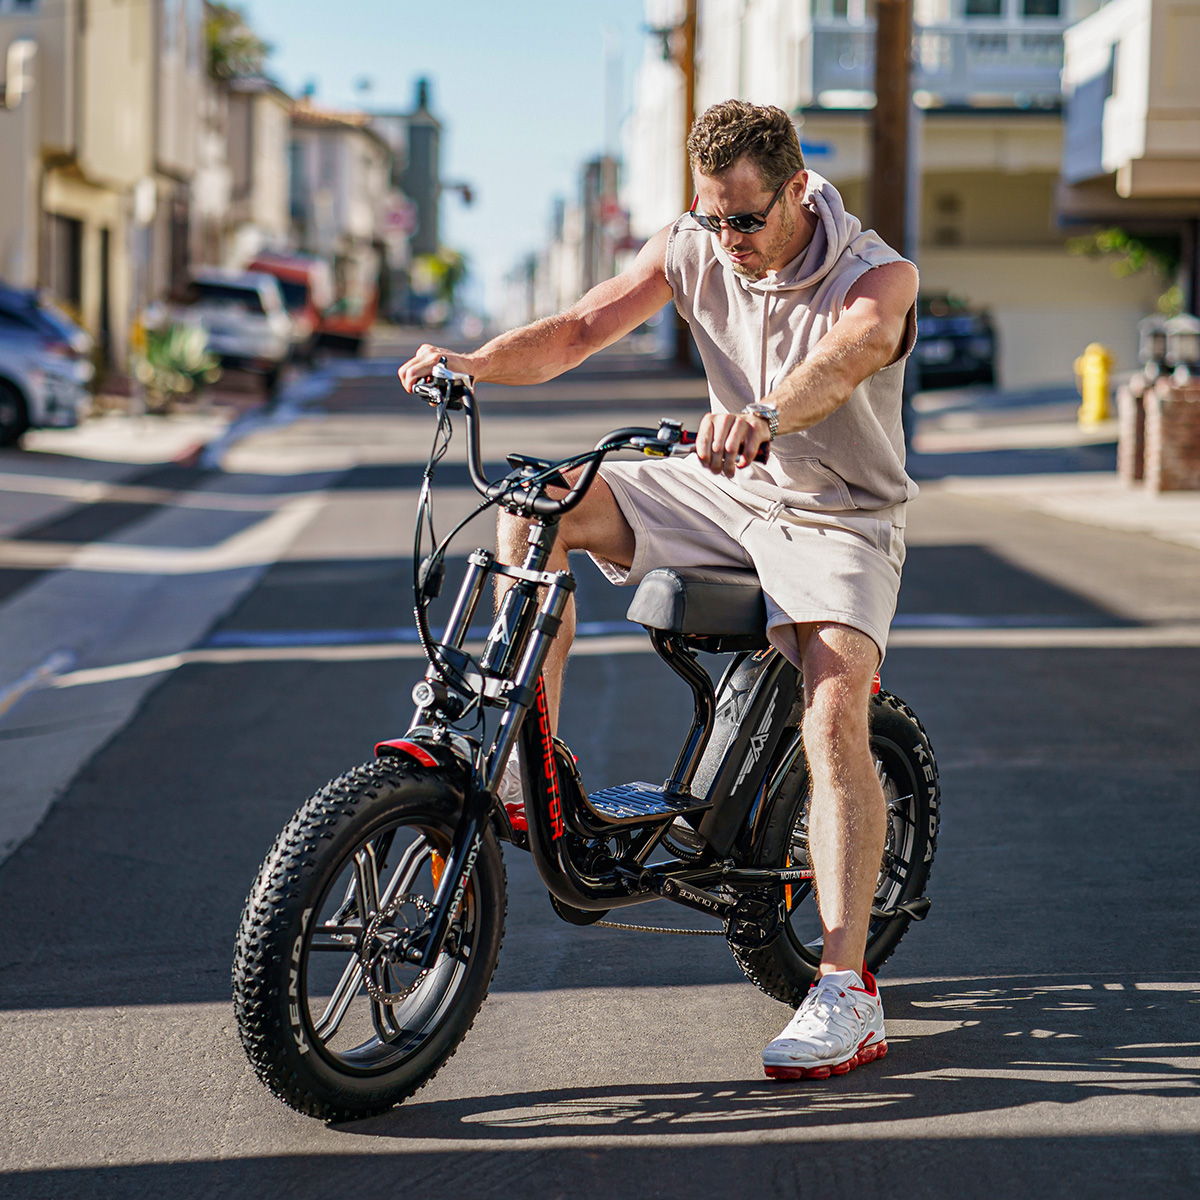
[{"x": 371, "y": 933}]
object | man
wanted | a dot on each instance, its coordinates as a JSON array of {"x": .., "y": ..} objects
[{"x": 802, "y": 320}]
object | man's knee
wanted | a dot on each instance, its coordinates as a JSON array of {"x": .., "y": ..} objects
[{"x": 839, "y": 667}]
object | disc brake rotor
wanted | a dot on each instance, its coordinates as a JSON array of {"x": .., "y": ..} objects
[{"x": 380, "y": 940}]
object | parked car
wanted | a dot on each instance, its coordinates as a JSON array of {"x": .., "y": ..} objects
[
  {"x": 307, "y": 287},
  {"x": 245, "y": 318},
  {"x": 45, "y": 365},
  {"x": 347, "y": 322},
  {"x": 956, "y": 344}
]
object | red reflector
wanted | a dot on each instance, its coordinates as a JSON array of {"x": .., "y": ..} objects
[
  {"x": 412, "y": 749},
  {"x": 875, "y": 685}
]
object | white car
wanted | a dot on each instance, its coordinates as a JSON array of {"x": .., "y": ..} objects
[
  {"x": 244, "y": 316},
  {"x": 45, "y": 365}
]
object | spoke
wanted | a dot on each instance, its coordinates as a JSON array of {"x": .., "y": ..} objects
[
  {"x": 366, "y": 876},
  {"x": 382, "y": 1016},
  {"x": 365, "y": 885},
  {"x": 800, "y": 893},
  {"x": 339, "y": 1002},
  {"x": 410, "y": 864}
]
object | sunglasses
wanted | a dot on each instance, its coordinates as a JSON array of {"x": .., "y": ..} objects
[{"x": 752, "y": 222}]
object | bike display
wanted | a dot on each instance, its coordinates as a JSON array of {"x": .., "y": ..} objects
[{"x": 372, "y": 931}]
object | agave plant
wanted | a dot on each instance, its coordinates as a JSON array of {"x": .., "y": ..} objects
[{"x": 177, "y": 363}]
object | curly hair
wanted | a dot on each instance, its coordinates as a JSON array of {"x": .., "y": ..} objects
[{"x": 735, "y": 129}]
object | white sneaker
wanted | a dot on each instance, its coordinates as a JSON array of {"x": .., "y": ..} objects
[
  {"x": 512, "y": 792},
  {"x": 837, "y": 1028}
]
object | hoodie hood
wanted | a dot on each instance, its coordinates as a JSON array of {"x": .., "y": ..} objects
[{"x": 835, "y": 230}]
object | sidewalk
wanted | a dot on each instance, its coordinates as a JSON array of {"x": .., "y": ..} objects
[{"x": 1027, "y": 449}]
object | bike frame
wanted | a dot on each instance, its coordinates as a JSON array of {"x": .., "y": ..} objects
[{"x": 722, "y": 772}]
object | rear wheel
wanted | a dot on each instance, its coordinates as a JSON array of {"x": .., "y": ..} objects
[
  {"x": 786, "y": 967},
  {"x": 14, "y": 416},
  {"x": 335, "y": 1022}
]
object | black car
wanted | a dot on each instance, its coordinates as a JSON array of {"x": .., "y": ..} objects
[{"x": 955, "y": 344}]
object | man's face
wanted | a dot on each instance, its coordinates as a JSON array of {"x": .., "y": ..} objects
[{"x": 740, "y": 190}]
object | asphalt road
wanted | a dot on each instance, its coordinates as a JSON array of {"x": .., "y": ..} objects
[{"x": 1044, "y": 1021}]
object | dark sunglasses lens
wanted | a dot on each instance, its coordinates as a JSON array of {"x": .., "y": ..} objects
[{"x": 741, "y": 223}]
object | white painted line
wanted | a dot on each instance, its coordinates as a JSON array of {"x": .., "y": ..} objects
[
  {"x": 88, "y": 491},
  {"x": 46, "y": 672},
  {"x": 260, "y": 545},
  {"x": 1138, "y": 637},
  {"x": 377, "y": 652},
  {"x": 1133, "y": 639}
]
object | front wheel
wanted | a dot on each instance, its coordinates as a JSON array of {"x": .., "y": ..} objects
[
  {"x": 786, "y": 966},
  {"x": 334, "y": 1021}
]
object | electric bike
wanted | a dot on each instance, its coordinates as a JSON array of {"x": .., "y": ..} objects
[{"x": 370, "y": 936}]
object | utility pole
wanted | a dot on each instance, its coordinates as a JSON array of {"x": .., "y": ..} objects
[
  {"x": 890, "y": 122},
  {"x": 685, "y": 55}
]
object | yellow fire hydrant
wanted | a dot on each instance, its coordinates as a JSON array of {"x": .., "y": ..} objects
[{"x": 1093, "y": 377}]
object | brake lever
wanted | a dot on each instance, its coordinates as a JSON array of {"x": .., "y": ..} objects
[{"x": 673, "y": 441}]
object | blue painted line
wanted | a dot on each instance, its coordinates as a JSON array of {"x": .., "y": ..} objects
[
  {"x": 255, "y": 638},
  {"x": 407, "y": 635}
]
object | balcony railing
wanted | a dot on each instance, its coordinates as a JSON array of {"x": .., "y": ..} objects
[{"x": 1016, "y": 63}]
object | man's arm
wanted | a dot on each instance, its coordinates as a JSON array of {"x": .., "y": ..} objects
[
  {"x": 537, "y": 352},
  {"x": 868, "y": 336}
]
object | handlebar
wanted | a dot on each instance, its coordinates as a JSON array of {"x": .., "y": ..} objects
[{"x": 444, "y": 387}]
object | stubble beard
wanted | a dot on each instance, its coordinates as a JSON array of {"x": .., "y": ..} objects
[{"x": 773, "y": 250}]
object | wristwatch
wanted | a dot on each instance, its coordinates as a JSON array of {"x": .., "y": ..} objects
[{"x": 769, "y": 414}]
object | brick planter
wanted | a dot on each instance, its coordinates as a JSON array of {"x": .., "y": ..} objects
[
  {"x": 1131, "y": 431},
  {"x": 1173, "y": 437}
]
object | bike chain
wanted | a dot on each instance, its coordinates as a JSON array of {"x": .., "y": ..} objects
[
  {"x": 378, "y": 994},
  {"x": 660, "y": 929}
]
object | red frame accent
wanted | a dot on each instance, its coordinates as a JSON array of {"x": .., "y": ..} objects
[
  {"x": 875, "y": 685},
  {"x": 412, "y": 749}
]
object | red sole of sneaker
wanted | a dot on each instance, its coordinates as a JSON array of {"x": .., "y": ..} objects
[{"x": 865, "y": 1055}]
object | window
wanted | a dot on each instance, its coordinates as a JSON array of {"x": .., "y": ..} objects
[
  {"x": 983, "y": 8},
  {"x": 224, "y": 295},
  {"x": 1041, "y": 8}
]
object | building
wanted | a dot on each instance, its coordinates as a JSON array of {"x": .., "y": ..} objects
[
  {"x": 340, "y": 170},
  {"x": 988, "y": 137},
  {"x": 95, "y": 194},
  {"x": 1131, "y": 155}
]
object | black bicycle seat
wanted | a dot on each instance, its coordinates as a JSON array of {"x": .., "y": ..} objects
[{"x": 701, "y": 602}]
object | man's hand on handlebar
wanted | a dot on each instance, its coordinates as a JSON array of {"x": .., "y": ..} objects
[
  {"x": 421, "y": 365},
  {"x": 726, "y": 441}
]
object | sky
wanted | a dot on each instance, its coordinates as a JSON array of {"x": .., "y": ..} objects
[{"x": 519, "y": 86}]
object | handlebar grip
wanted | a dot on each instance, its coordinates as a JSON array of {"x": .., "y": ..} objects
[{"x": 687, "y": 445}]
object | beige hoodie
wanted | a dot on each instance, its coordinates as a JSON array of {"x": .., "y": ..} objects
[{"x": 752, "y": 333}]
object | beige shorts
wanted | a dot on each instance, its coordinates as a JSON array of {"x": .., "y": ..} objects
[{"x": 823, "y": 567}]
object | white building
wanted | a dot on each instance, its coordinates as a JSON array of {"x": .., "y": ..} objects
[
  {"x": 340, "y": 172},
  {"x": 988, "y": 143},
  {"x": 1132, "y": 150}
]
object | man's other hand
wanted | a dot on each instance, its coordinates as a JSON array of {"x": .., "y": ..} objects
[
  {"x": 727, "y": 441},
  {"x": 421, "y": 365}
]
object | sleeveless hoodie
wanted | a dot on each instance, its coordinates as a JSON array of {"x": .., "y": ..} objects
[{"x": 752, "y": 333}]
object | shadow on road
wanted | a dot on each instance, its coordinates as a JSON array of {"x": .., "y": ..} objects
[
  {"x": 1062, "y": 1041},
  {"x": 996, "y": 1047}
]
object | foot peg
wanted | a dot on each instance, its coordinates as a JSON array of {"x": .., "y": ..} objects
[{"x": 917, "y": 910}]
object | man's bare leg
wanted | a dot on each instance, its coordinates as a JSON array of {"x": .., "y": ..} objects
[
  {"x": 847, "y": 821},
  {"x": 597, "y": 525}
]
